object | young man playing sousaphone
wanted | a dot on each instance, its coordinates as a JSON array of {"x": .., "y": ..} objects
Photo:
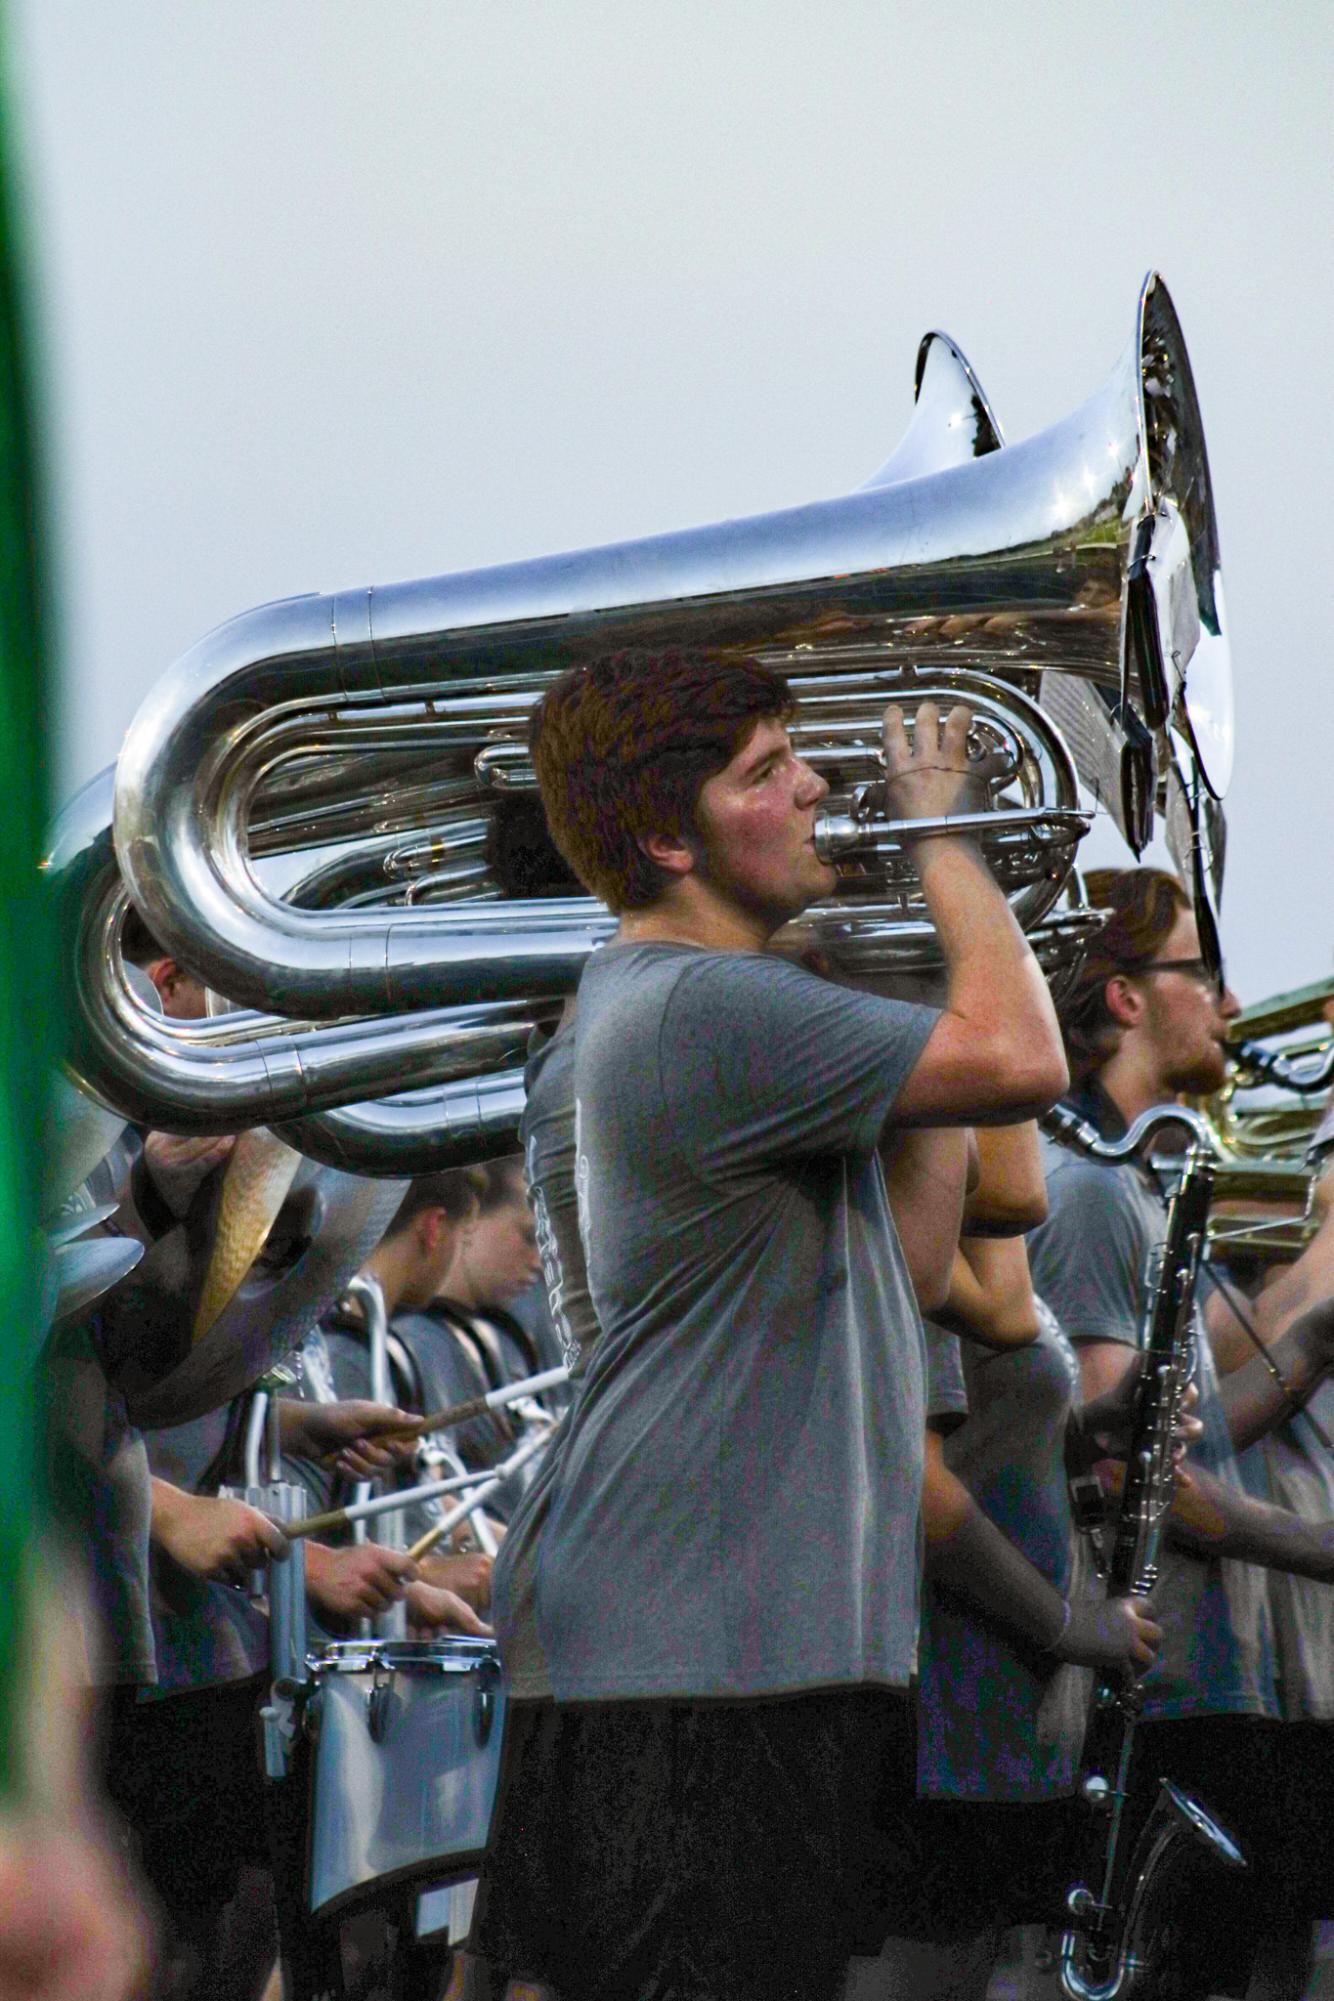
[{"x": 727, "y": 1581}]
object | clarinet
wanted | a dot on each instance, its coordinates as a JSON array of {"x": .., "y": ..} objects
[{"x": 1114, "y": 1914}]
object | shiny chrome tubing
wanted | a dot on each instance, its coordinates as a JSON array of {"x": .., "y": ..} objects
[
  {"x": 952, "y": 420},
  {"x": 1176, "y": 1825},
  {"x": 151, "y": 1071},
  {"x": 470, "y": 1120},
  {"x": 1304, "y": 1074},
  {"x": 838, "y": 835},
  {"x": 1013, "y": 561},
  {"x": 363, "y": 1286},
  {"x": 1067, "y": 1127}
]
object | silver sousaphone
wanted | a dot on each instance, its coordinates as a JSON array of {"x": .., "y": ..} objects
[{"x": 375, "y": 731}]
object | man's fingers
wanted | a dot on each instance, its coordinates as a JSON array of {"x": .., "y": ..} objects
[
  {"x": 381, "y": 1417},
  {"x": 897, "y": 751},
  {"x": 270, "y": 1538},
  {"x": 926, "y": 734},
  {"x": 464, "y": 1620},
  {"x": 954, "y": 737}
]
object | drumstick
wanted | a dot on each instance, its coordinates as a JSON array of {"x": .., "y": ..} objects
[
  {"x": 489, "y": 1483},
  {"x": 379, "y": 1504},
  {"x": 459, "y": 1413},
  {"x": 408, "y": 1497}
]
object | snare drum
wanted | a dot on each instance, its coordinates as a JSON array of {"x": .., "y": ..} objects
[{"x": 407, "y": 1754}]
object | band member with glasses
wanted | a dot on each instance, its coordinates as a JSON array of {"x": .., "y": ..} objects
[
  {"x": 1146, "y": 1021},
  {"x": 727, "y": 1581},
  {"x": 1008, "y": 1616}
]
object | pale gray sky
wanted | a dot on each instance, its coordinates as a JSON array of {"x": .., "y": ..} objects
[{"x": 341, "y": 291}]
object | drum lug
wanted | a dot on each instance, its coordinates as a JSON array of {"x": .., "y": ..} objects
[
  {"x": 378, "y": 1705},
  {"x": 484, "y": 1713}
]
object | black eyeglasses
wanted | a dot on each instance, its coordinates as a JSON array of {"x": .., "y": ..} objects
[{"x": 1194, "y": 969}]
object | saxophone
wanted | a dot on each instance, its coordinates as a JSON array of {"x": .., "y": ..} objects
[{"x": 1112, "y": 1928}]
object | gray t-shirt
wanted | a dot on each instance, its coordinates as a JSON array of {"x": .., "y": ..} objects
[
  {"x": 102, "y": 1489},
  {"x": 206, "y": 1634},
  {"x": 1299, "y": 1472},
  {"x": 946, "y": 1390},
  {"x": 547, "y": 1134},
  {"x": 739, "y": 1499},
  {"x": 1089, "y": 1261},
  {"x": 996, "y": 1722}
]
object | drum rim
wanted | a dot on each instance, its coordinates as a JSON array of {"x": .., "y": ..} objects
[{"x": 453, "y": 1653}]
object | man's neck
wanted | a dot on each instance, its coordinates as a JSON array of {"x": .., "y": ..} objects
[
  {"x": 1134, "y": 1082},
  {"x": 692, "y": 913},
  {"x": 388, "y": 1264}
]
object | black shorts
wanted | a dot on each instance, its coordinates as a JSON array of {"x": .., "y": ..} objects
[
  {"x": 184, "y": 1772},
  {"x": 719, "y": 1851},
  {"x": 990, "y": 1863},
  {"x": 1304, "y": 1855}
]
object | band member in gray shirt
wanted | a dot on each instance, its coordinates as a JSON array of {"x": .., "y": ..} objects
[
  {"x": 1145, "y": 1021},
  {"x": 727, "y": 1582}
]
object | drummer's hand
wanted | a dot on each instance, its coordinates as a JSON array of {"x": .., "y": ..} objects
[
  {"x": 178, "y": 1166},
  {"x": 352, "y": 1435},
  {"x": 212, "y": 1537},
  {"x": 434, "y": 1610},
  {"x": 347, "y": 1583},
  {"x": 468, "y": 1576}
]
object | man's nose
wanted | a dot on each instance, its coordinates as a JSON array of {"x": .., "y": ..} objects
[
  {"x": 811, "y": 788},
  {"x": 1229, "y": 1006}
]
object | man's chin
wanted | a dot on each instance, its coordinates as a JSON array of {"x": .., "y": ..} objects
[{"x": 1203, "y": 1079}]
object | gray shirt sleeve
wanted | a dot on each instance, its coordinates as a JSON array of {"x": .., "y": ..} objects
[
  {"x": 1088, "y": 1258},
  {"x": 805, "y": 1069},
  {"x": 946, "y": 1392}
]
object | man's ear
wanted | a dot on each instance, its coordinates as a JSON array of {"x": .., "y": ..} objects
[
  {"x": 165, "y": 974},
  {"x": 1125, "y": 1001},
  {"x": 669, "y": 851}
]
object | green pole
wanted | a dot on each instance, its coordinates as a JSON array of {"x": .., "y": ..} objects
[{"x": 29, "y": 985}]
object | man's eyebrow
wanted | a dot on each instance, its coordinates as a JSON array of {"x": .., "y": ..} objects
[{"x": 770, "y": 756}]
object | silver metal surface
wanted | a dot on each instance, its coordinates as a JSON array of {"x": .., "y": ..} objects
[
  {"x": 379, "y": 730},
  {"x": 365, "y": 1288},
  {"x": 952, "y": 420},
  {"x": 1011, "y": 562},
  {"x": 86, "y": 1269},
  {"x": 406, "y": 1763}
]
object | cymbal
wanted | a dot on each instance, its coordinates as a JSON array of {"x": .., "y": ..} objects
[
  {"x": 66, "y": 1228},
  {"x": 89, "y": 1267}
]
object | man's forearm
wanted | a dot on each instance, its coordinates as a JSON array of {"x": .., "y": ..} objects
[
  {"x": 1296, "y": 1290},
  {"x": 1255, "y": 1398},
  {"x": 170, "y": 1506},
  {"x": 995, "y": 984},
  {"x": 1210, "y": 1519},
  {"x": 980, "y": 1565}
]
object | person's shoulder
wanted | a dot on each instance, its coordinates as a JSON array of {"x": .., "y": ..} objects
[
  {"x": 621, "y": 982},
  {"x": 1084, "y": 1193},
  {"x": 550, "y": 1069}
]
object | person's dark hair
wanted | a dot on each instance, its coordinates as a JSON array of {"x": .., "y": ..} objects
[
  {"x": 456, "y": 1190},
  {"x": 138, "y": 946},
  {"x": 1143, "y": 905},
  {"x": 503, "y": 1181},
  {"x": 622, "y": 746},
  {"x": 520, "y": 853}
]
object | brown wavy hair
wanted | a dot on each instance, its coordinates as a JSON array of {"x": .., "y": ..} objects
[
  {"x": 622, "y": 746},
  {"x": 1143, "y": 904}
]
